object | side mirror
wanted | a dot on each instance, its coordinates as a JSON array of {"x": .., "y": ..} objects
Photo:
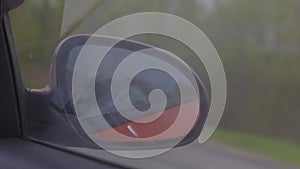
[{"x": 119, "y": 108}]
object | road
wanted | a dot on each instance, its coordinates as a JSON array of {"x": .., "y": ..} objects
[
  {"x": 196, "y": 156},
  {"x": 215, "y": 156}
]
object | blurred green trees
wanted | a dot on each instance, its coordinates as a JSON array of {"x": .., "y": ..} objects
[
  {"x": 36, "y": 28},
  {"x": 258, "y": 41}
]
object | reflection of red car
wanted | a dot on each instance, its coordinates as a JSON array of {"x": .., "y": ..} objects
[
  {"x": 145, "y": 125},
  {"x": 162, "y": 123}
]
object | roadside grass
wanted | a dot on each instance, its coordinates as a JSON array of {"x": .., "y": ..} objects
[{"x": 271, "y": 147}]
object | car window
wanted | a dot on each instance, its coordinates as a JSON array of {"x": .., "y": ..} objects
[{"x": 258, "y": 44}]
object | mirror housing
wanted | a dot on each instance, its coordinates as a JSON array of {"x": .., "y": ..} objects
[{"x": 64, "y": 121}]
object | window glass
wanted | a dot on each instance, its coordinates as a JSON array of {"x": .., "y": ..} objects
[{"x": 259, "y": 45}]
